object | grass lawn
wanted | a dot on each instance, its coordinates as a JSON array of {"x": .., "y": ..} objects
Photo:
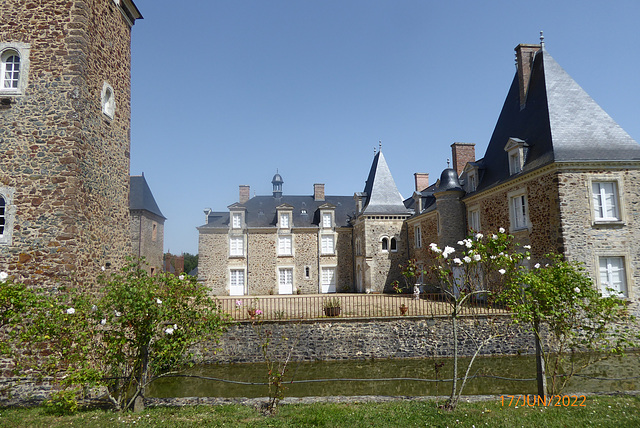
[{"x": 597, "y": 411}]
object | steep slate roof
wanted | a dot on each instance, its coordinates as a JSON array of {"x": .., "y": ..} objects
[
  {"x": 381, "y": 191},
  {"x": 140, "y": 196},
  {"x": 559, "y": 122},
  {"x": 261, "y": 211}
]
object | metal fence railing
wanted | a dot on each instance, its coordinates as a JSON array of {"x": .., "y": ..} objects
[{"x": 243, "y": 308}]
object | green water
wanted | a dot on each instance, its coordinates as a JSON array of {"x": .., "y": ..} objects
[{"x": 518, "y": 367}]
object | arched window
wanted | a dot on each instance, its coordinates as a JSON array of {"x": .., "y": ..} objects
[
  {"x": 108, "y": 100},
  {"x": 9, "y": 70},
  {"x": 385, "y": 244},
  {"x": 2, "y": 214},
  {"x": 394, "y": 244}
]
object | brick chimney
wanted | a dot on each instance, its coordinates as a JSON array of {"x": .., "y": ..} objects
[
  {"x": 524, "y": 62},
  {"x": 422, "y": 180},
  {"x": 245, "y": 193},
  {"x": 461, "y": 153},
  {"x": 318, "y": 192}
]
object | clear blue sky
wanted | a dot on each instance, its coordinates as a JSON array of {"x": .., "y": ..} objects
[{"x": 226, "y": 92}]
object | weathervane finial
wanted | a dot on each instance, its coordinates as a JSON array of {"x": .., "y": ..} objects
[
  {"x": 448, "y": 161},
  {"x": 541, "y": 38}
]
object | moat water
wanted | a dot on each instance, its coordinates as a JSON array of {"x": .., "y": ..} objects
[{"x": 494, "y": 375}]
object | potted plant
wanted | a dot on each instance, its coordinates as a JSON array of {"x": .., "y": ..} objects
[
  {"x": 332, "y": 307},
  {"x": 403, "y": 309}
]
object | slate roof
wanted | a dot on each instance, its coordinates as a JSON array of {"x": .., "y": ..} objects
[
  {"x": 382, "y": 195},
  {"x": 140, "y": 196},
  {"x": 559, "y": 122},
  {"x": 261, "y": 211}
]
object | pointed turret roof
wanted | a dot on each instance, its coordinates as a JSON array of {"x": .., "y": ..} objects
[
  {"x": 140, "y": 196},
  {"x": 381, "y": 191},
  {"x": 558, "y": 121}
]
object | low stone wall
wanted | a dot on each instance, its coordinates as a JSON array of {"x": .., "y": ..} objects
[{"x": 366, "y": 338}]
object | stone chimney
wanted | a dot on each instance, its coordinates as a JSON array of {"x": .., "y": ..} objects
[
  {"x": 422, "y": 180},
  {"x": 318, "y": 192},
  {"x": 461, "y": 153},
  {"x": 524, "y": 62},
  {"x": 245, "y": 193}
]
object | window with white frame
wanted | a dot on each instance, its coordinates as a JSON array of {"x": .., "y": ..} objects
[
  {"x": 473, "y": 217},
  {"x": 285, "y": 245},
  {"x": 417, "y": 233},
  {"x": 515, "y": 152},
  {"x": 612, "y": 276},
  {"x": 7, "y": 213},
  {"x": 605, "y": 201},
  {"x": 284, "y": 221},
  {"x": 326, "y": 220},
  {"x": 10, "y": 70},
  {"x": 328, "y": 280},
  {"x": 236, "y": 246},
  {"x": 519, "y": 211},
  {"x": 472, "y": 180},
  {"x": 285, "y": 281},
  {"x": 236, "y": 282},
  {"x": 14, "y": 67},
  {"x": 236, "y": 220},
  {"x": 515, "y": 163},
  {"x": 327, "y": 244},
  {"x": 394, "y": 244}
]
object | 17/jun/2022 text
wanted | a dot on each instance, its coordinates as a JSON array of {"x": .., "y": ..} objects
[{"x": 537, "y": 400}]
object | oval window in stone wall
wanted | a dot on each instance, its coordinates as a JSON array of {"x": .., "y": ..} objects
[{"x": 108, "y": 100}]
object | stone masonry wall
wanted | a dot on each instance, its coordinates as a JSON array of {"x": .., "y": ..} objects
[
  {"x": 585, "y": 241},
  {"x": 144, "y": 242},
  {"x": 68, "y": 163},
  {"x": 213, "y": 253},
  {"x": 365, "y": 339}
]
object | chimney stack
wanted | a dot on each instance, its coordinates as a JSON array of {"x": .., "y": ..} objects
[
  {"x": 421, "y": 180},
  {"x": 461, "y": 154},
  {"x": 318, "y": 192},
  {"x": 245, "y": 193},
  {"x": 524, "y": 62}
]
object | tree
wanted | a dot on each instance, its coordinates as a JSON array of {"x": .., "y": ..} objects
[
  {"x": 481, "y": 269},
  {"x": 190, "y": 262},
  {"x": 561, "y": 299},
  {"x": 138, "y": 328}
]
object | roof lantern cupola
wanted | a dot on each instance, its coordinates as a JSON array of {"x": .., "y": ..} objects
[{"x": 277, "y": 182}]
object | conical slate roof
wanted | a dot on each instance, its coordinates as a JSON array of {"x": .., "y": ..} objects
[
  {"x": 559, "y": 122},
  {"x": 382, "y": 193}
]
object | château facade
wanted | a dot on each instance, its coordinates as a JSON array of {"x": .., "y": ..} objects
[{"x": 558, "y": 173}]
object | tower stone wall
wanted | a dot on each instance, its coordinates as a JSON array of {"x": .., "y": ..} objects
[{"x": 65, "y": 161}]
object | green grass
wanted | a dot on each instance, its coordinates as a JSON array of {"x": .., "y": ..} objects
[{"x": 599, "y": 411}]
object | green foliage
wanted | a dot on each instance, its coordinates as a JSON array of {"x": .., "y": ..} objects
[
  {"x": 15, "y": 300},
  {"x": 61, "y": 403},
  {"x": 190, "y": 262},
  {"x": 332, "y": 302},
  {"x": 148, "y": 325},
  {"x": 138, "y": 328},
  {"x": 562, "y": 297}
]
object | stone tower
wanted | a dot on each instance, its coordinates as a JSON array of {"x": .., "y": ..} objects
[
  {"x": 379, "y": 230},
  {"x": 64, "y": 137}
]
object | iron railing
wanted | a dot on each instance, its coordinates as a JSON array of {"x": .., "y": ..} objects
[{"x": 244, "y": 308}]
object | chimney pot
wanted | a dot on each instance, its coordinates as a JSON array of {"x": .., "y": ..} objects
[
  {"x": 245, "y": 193},
  {"x": 421, "y": 180},
  {"x": 318, "y": 192},
  {"x": 461, "y": 154},
  {"x": 524, "y": 61}
]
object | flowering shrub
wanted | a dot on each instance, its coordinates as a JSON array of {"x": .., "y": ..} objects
[{"x": 139, "y": 328}]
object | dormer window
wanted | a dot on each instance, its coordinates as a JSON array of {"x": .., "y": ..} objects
[
  {"x": 515, "y": 151},
  {"x": 236, "y": 221},
  {"x": 284, "y": 221},
  {"x": 326, "y": 220}
]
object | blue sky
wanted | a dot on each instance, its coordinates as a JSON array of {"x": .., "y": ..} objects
[{"x": 227, "y": 92}]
